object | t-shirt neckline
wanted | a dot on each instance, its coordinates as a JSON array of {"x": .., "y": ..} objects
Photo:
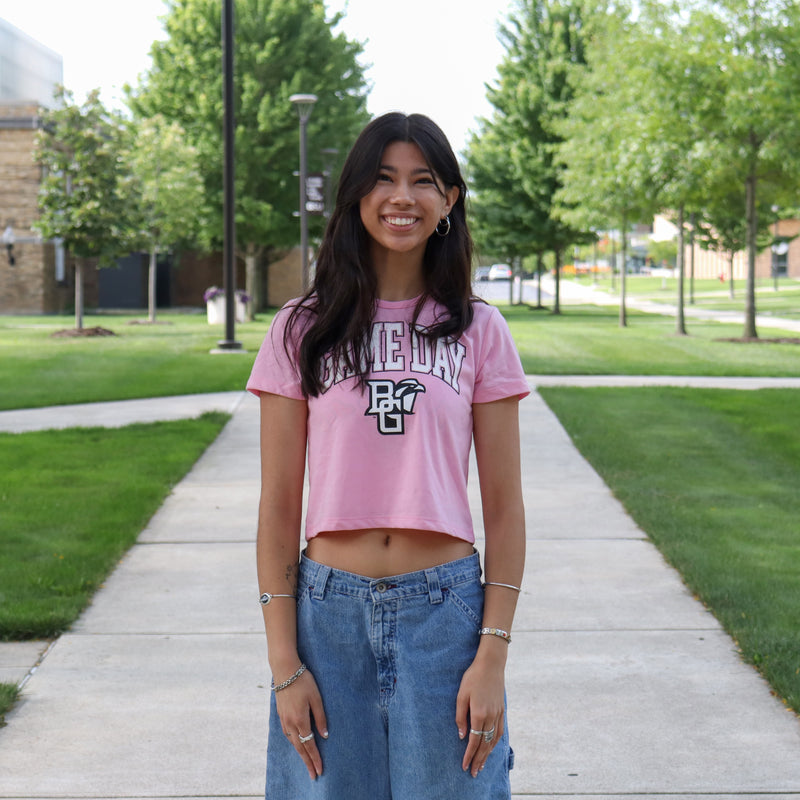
[{"x": 399, "y": 303}]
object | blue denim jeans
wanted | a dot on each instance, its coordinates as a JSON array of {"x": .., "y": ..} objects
[{"x": 388, "y": 656}]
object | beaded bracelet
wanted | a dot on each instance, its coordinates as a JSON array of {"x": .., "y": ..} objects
[
  {"x": 496, "y": 632},
  {"x": 289, "y": 681}
]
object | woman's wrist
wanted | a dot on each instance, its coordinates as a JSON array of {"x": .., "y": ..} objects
[
  {"x": 283, "y": 660},
  {"x": 493, "y": 651}
]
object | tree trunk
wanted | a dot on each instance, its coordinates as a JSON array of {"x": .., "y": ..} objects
[
  {"x": 78, "y": 295},
  {"x": 613, "y": 260},
  {"x": 623, "y": 313},
  {"x": 752, "y": 229},
  {"x": 539, "y": 270},
  {"x": 730, "y": 273},
  {"x": 151, "y": 285},
  {"x": 680, "y": 328},
  {"x": 692, "y": 222},
  {"x": 252, "y": 284},
  {"x": 557, "y": 298}
]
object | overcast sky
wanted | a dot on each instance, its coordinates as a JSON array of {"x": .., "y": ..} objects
[{"x": 428, "y": 56}]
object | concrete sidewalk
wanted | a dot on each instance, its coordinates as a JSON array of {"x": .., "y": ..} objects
[
  {"x": 620, "y": 683},
  {"x": 573, "y": 292},
  {"x": 118, "y": 413}
]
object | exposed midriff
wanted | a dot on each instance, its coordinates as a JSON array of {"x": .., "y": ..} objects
[{"x": 380, "y": 553}]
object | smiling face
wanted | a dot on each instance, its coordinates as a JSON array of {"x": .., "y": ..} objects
[{"x": 402, "y": 210}]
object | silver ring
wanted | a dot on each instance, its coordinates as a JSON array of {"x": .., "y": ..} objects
[
  {"x": 488, "y": 736},
  {"x": 304, "y": 739}
]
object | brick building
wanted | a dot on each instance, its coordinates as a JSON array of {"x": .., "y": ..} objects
[
  {"x": 714, "y": 264},
  {"x": 29, "y": 73},
  {"x": 36, "y": 282}
]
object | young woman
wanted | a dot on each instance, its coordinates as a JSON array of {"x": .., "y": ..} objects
[{"x": 387, "y": 651}]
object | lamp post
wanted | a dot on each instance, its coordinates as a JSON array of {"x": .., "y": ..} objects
[
  {"x": 229, "y": 343},
  {"x": 304, "y": 103}
]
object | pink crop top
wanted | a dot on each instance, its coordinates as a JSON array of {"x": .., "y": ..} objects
[{"x": 396, "y": 455}]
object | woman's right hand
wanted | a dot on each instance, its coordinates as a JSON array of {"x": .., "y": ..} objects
[{"x": 297, "y": 705}]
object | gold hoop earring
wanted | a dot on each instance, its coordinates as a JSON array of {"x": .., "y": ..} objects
[{"x": 443, "y": 231}]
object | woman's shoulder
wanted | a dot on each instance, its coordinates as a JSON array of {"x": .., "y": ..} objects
[
  {"x": 484, "y": 314},
  {"x": 298, "y": 307}
]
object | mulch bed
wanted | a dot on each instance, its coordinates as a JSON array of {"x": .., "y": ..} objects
[
  {"x": 96, "y": 331},
  {"x": 759, "y": 340}
]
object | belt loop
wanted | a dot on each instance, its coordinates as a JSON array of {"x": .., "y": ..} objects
[
  {"x": 434, "y": 590},
  {"x": 321, "y": 581}
]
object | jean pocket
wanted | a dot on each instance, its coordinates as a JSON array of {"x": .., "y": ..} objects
[
  {"x": 468, "y": 600},
  {"x": 303, "y": 595}
]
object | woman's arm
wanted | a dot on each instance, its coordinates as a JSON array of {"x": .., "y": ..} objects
[
  {"x": 283, "y": 454},
  {"x": 480, "y": 703}
]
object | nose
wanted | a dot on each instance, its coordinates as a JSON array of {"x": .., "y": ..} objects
[{"x": 402, "y": 194}]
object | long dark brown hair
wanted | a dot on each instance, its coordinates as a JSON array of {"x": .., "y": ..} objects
[{"x": 338, "y": 310}]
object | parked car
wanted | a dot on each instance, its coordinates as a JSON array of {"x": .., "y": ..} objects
[
  {"x": 500, "y": 272},
  {"x": 482, "y": 273}
]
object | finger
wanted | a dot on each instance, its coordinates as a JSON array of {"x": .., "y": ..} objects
[
  {"x": 474, "y": 740},
  {"x": 485, "y": 747},
  {"x": 462, "y": 711},
  {"x": 310, "y": 755},
  {"x": 318, "y": 712},
  {"x": 310, "y": 743}
]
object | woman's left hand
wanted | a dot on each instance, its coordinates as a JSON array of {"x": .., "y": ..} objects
[{"x": 480, "y": 710}]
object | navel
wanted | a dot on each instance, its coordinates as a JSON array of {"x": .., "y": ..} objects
[{"x": 387, "y": 541}]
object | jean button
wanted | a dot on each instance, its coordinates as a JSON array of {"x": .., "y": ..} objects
[{"x": 381, "y": 587}]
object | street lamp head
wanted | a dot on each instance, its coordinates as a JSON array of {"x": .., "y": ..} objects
[{"x": 304, "y": 104}]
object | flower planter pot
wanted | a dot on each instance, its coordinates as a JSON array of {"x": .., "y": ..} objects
[{"x": 215, "y": 309}]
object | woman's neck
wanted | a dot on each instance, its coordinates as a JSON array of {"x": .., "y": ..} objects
[{"x": 399, "y": 276}]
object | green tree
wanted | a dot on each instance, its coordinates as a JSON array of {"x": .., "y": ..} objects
[
  {"x": 514, "y": 155},
  {"x": 503, "y": 217},
  {"x": 79, "y": 197},
  {"x": 756, "y": 46},
  {"x": 282, "y": 47},
  {"x": 610, "y": 168},
  {"x": 678, "y": 104},
  {"x": 166, "y": 188}
]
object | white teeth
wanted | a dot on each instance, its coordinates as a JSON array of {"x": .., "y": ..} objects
[{"x": 400, "y": 220}]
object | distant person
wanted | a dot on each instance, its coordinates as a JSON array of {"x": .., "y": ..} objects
[{"x": 387, "y": 651}]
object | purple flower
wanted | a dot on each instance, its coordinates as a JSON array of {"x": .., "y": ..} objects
[{"x": 214, "y": 291}]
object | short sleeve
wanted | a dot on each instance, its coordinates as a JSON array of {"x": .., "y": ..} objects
[
  {"x": 275, "y": 370},
  {"x": 499, "y": 372}
]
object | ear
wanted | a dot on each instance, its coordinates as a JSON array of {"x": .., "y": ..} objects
[{"x": 451, "y": 195}]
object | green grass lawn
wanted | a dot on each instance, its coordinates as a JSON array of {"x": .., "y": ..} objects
[
  {"x": 587, "y": 340},
  {"x": 37, "y": 369},
  {"x": 8, "y": 696},
  {"x": 711, "y": 476},
  {"x": 710, "y": 294},
  {"x": 174, "y": 357}
]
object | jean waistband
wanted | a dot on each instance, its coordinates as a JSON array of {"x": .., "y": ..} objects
[{"x": 319, "y": 578}]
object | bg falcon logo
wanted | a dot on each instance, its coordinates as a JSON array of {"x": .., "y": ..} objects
[{"x": 390, "y": 402}]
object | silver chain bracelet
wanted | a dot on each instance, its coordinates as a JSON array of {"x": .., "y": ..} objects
[{"x": 289, "y": 681}]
